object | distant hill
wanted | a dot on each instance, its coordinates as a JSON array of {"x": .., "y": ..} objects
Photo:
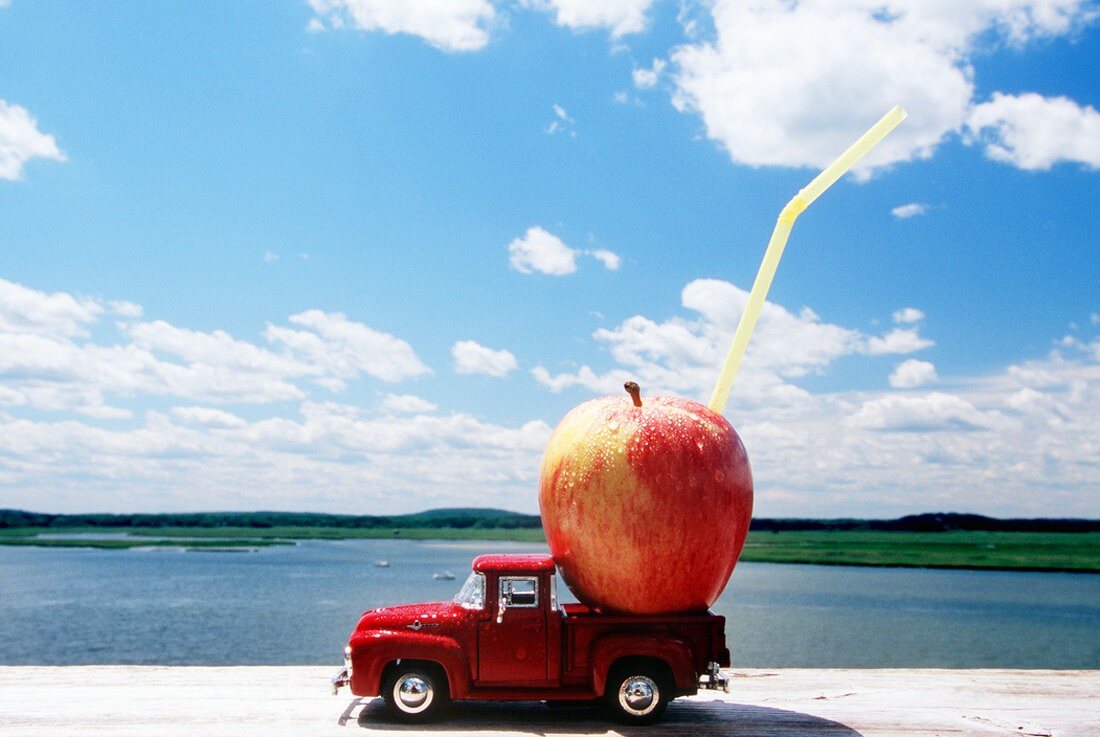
[
  {"x": 460, "y": 518},
  {"x": 473, "y": 517},
  {"x": 933, "y": 522}
]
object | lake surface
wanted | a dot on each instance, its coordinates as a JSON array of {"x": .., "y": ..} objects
[{"x": 297, "y": 605}]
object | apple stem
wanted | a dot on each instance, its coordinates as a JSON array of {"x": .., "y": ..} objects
[{"x": 634, "y": 391}]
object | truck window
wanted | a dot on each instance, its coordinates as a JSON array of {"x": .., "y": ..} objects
[
  {"x": 517, "y": 591},
  {"x": 472, "y": 593}
]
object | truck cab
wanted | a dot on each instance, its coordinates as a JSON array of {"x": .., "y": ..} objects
[{"x": 505, "y": 636}]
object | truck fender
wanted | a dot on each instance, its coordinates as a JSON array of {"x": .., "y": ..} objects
[
  {"x": 673, "y": 652},
  {"x": 372, "y": 651}
]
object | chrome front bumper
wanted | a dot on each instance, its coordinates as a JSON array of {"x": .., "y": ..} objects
[
  {"x": 714, "y": 680},
  {"x": 342, "y": 678}
]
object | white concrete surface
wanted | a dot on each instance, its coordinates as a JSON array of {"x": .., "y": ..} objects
[{"x": 151, "y": 701}]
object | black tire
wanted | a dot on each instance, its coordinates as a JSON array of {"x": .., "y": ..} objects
[
  {"x": 638, "y": 692},
  {"x": 415, "y": 692}
]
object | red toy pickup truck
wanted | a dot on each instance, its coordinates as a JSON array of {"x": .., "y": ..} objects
[{"x": 504, "y": 637}]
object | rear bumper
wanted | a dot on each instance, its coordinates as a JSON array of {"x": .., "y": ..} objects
[{"x": 714, "y": 680}]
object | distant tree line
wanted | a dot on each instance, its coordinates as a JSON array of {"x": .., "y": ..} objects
[{"x": 472, "y": 518}]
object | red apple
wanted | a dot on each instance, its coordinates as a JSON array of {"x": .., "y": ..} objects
[{"x": 645, "y": 503}]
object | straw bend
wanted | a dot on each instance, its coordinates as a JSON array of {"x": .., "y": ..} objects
[
  {"x": 793, "y": 209},
  {"x": 778, "y": 242}
]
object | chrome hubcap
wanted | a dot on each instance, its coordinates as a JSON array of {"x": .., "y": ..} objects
[
  {"x": 638, "y": 695},
  {"x": 413, "y": 693}
]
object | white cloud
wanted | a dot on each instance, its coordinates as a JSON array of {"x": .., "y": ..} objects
[
  {"x": 465, "y": 25},
  {"x": 898, "y": 340},
  {"x": 406, "y": 404},
  {"x": 930, "y": 412},
  {"x": 474, "y": 358},
  {"x": 903, "y": 212},
  {"x": 913, "y": 373},
  {"x": 561, "y": 123},
  {"x": 585, "y": 377},
  {"x": 192, "y": 460},
  {"x": 57, "y": 373},
  {"x": 684, "y": 356},
  {"x": 648, "y": 78},
  {"x": 543, "y": 252},
  {"x": 123, "y": 308},
  {"x": 762, "y": 85},
  {"x": 10, "y": 398},
  {"x": 450, "y": 25},
  {"x": 216, "y": 349},
  {"x": 620, "y": 16},
  {"x": 611, "y": 260},
  {"x": 208, "y": 417},
  {"x": 48, "y": 361},
  {"x": 1035, "y": 133},
  {"x": 25, "y": 310},
  {"x": 270, "y": 256},
  {"x": 21, "y": 141},
  {"x": 908, "y": 315},
  {"x": 345, "y": 349},
  {"x": 1028, "y": 400}
]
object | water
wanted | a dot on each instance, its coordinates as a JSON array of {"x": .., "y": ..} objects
[{"x": 297, "y": 604}]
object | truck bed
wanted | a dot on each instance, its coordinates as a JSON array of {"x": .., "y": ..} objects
[
  {"x": 702, "y": 635},
  {"x": 580, "y": 613}
]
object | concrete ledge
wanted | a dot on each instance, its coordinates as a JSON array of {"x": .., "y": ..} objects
[{"x": 153, "y": 701}]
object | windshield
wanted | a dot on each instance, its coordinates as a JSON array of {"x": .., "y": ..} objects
[{"x": 472, "y": 593}]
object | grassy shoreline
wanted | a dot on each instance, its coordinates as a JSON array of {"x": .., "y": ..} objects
[
  {"x": 212, "y": 545},
  {"x": 971, "y": 550}
]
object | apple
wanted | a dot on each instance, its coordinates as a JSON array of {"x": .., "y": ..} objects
[{"x": 645, "y": 504}]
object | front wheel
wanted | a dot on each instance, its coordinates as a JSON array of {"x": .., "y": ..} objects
[
  {"x": 637, "y": 695},
  {"x": 415, "y": 692}
]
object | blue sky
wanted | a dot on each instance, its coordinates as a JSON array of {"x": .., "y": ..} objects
[{"x": 343, "y": 256}]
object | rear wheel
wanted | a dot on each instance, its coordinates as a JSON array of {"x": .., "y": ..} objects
[
  {"x": 637, "y": 693},
  {"x": 415, "y": 692}
]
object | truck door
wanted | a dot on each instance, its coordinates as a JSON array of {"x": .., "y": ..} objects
[{"x": 512, "y": 642}]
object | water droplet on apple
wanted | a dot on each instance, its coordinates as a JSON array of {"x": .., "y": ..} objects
[{"x": 613, "y": 426}]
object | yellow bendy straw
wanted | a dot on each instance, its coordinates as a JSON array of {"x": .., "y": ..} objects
[{"x": 778, "y": 242}]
